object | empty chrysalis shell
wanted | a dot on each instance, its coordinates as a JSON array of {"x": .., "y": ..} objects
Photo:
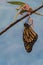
[{"x": 29, "y": 37}]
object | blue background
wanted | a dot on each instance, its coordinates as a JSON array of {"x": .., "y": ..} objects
[{"x": 12, "y": 51}]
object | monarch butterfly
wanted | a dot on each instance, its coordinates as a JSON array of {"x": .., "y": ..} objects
[{"x": 29, "y": 37}]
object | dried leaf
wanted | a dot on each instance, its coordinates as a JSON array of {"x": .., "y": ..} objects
[
  {"x": 41, "y": 14},
  {"x": 22, "y": 11}
]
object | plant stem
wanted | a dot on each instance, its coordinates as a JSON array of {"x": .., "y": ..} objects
[{"x": 12, "y": 24}]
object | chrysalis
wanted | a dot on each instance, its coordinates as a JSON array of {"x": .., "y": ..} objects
[{"x": 29, "y": 37}]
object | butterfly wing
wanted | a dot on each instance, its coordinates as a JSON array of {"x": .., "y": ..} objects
[{"x": 29, "y": 37}]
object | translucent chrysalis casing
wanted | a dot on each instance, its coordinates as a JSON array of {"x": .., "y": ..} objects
[{"x": 29, "y": 37}]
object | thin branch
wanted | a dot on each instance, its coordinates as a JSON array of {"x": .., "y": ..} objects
[{"x": 12, "y": 24}]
